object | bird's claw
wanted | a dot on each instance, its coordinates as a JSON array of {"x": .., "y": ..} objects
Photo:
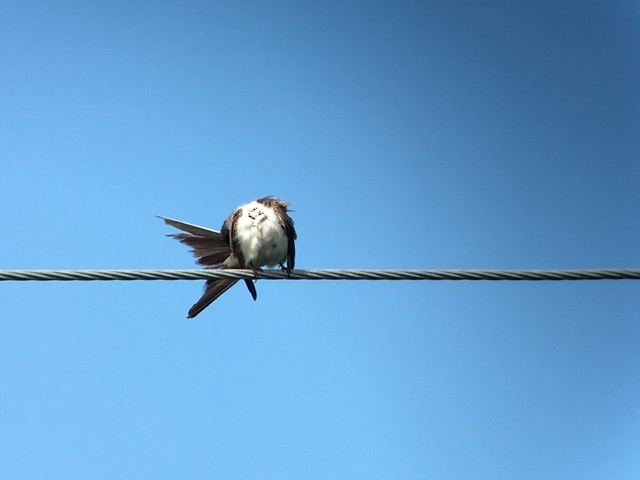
[
  {"x": 255, "y": 272},
  {"x": 285, "y": 269}
]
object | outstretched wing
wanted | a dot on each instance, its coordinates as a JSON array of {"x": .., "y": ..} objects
[
  {"x": 208, "y": 246},
  {"x": 212, "y": 250},
  {"x": 212, "y": 290}
]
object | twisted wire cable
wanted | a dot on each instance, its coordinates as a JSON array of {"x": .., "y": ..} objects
[{"x": 490, "y": 275}]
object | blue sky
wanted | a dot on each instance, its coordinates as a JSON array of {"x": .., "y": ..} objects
[{"x": 405, "y": 135}]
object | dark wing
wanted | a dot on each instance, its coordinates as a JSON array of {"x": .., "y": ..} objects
[
  {"x": 252, "y": 289},
  {"x": 207, "y": 245},
  {"x": 212, "y": 290},
  {"x": 211, "y": 248},
  {"x": 291, "y": 237},
  {"x": 189, "y": 227}
]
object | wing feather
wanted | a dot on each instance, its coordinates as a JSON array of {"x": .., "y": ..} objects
[
  {"x": 212, "y": 290},
  {"x": 208, "y": 246}
]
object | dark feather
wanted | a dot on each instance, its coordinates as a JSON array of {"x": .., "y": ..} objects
[
  {"x": 252, "y": 289},
  {"x": 229, "y": 234},
  {"x": 212, "y": 290},
  {"x": 188, "y": 227},
  {"x": 211, "y": 248},
  {"x": 207, "y": 245},
  {"x": 210, "y": 251}
]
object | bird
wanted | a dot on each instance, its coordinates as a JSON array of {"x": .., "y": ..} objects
[{"x": 258, "y": 234}]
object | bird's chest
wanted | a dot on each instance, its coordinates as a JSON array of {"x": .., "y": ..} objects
[{"x": 261, "y": 240}]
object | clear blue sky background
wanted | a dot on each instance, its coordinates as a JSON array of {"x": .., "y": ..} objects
[{"x": 406, "y": 135}]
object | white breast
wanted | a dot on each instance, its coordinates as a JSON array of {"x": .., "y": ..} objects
[{"x": 260, "y": 236}]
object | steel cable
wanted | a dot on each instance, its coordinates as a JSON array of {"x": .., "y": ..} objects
[{"x": 490, "y": 275}]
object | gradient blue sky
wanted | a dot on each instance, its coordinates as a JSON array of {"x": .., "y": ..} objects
[{"x": 406, "y": 135}]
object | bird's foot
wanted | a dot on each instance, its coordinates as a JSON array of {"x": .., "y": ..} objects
[
  {"x": 255, "y": 271},
  {"x": 285, "y": 269}
]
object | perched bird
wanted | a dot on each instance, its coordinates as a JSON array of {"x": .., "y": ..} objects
[{"x": 255, "y": 235}]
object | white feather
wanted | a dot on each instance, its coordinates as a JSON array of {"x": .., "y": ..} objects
[{"x": 261, "y": 238}]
